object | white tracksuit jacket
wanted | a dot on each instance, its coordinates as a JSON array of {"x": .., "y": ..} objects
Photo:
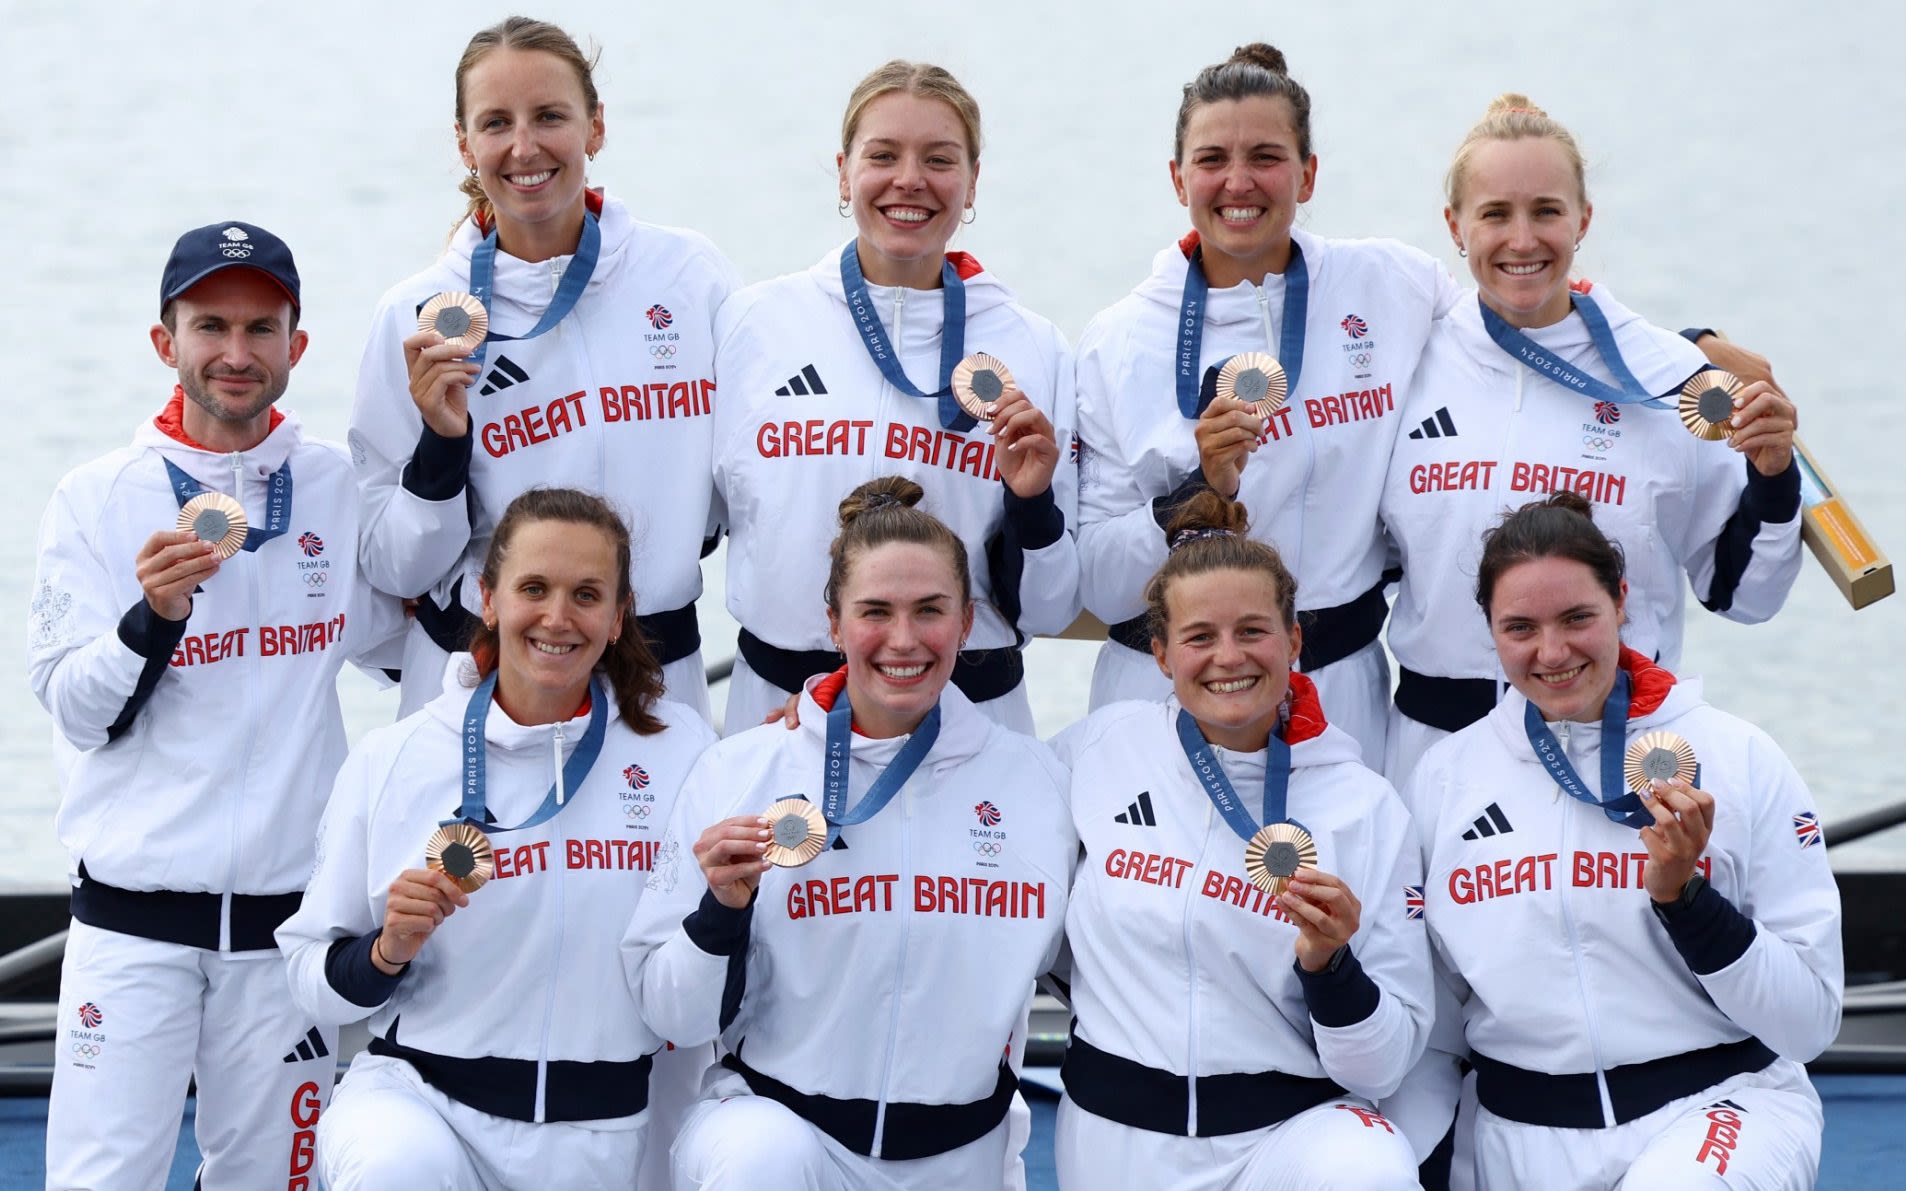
[
  {"x": 1180, "y": 963},
  {"x": 1483, "y": 433},
  {"x": 616, "y": 399},
  {"x": 806, "y": 416},
  {"x": 206, "y": 747},
  {"x": 529, "y": 970},
  {"x": 894, "y": 969},
  {"x": 1535, "y": 901},
  {"x": 1312, "y": 486}
]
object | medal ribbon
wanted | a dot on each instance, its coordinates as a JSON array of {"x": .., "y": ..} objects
[
  {"x": 1543, "y": 363},
  {"x": 475, "y": 809},
  {"x": 840, "y": 727},
  {"x": 873, "y": 335},
  {"x": 277, "y": 501},
  {"x": 1218, "y": 788},
  {"x": 1623, "y": 806},
  {"x": 1191, "y": 310},
  {"x": 582, "y": 266}
]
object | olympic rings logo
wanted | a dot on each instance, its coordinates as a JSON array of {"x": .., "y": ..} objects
[
  {"x": 663, "y": 351},
  {"x": 316, "y": 578},
  {"x": 988, "y": 847},
  {"x": 1361, "y": 359},
  {"x": 636, "y": 810},
  {"x": 86, "y": 1050},
  {"x": 1597, "y": 444},
  {"x": 237, "y": 253}
]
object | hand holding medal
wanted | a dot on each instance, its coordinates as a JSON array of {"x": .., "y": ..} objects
[
  {"x": 449, "y": 328},
  {"x": 1660, "y": 766},
  {"x": 1326, "y": 914},
  {"x": 1026, "y": 449},
  {"x": 418, "y": 902},
  {"x": 170, "y": 567},
  {"x": 731, "y": 856},
  {"x": 1250, "y": 388}
]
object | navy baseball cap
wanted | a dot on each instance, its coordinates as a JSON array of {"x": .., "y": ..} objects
[{"x": 203, "y": 251}]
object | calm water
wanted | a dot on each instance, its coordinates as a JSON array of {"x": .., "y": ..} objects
[{"x": 1746, "y": 175}]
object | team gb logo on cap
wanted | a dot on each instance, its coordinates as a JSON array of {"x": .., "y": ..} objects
[{"x": 237, "y": 242}]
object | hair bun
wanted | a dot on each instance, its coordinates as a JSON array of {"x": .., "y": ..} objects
[
  {"x": 1574, "y": 502},
  {"x": 1207, "y": 514},
  {"x": 879, "y": 492},
  {"x": 1512, "y": 101},
  {"x": 1263, "y": 54}
]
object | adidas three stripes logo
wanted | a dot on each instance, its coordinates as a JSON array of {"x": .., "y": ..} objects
[
  {"x": 506, "y": 372},
  {"x": 801, "y": 384},
  {"x": 1139, "y": 814},
  {"x": 1490, "y": 822},
  {"x": 311, "y": 1047},
  {"x": 1437, "y": 425}
]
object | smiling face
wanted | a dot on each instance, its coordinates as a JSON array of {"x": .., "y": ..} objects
[
  {"x": 1520, "y": 216},
  {"x": 232, "y": 340},
  {"x": 554, "y": 607},
  {"x": 901, "y": 622},
  {"x": 1558, "y": 635},
  {"x": 908, "y": 174},
  {"x": 527, "y": 131},
  {"x": 1228, "y": 653},
  {"x": 1242, "y": 178}
]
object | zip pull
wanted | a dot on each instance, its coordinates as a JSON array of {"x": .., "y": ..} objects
[
  {"x": 1264, "y": 314},
  {"x": 561, "y": 792},
  {"x": 238, "y": 476},
  {"x": 1562, "y": 737},
  {"x": 1519, "y": 373}
]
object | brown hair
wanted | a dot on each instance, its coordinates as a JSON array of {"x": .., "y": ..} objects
[
  {"x": 913, "y": 78},
  {"x": 881, "y": 511},
  {"x": 629, "y": 665},
  {"x": 1513, "y": 117},
  {"x": 1209, "y": 534},
  {"x": 1560, "y": 526},
  {"x": 521, "y": 33},
  {"x": 1251, "y": 70}
]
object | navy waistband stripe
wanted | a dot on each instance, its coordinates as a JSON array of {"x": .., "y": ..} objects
[
  {"x": 1131, "y": 1093},
  {"x": 1634, "y": 1090},
  {"x": 572, "y": 1091},
  {"x": 911, "y": 1130},
  {"x": 1451, "y": 704},
  {"x": 190, "y": 919}
]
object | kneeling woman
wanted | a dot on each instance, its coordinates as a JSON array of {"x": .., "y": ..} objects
[
  {"x": 1236, "y": 1017},
  {"x": 858, "y": 907},
  {"x": 522, "y": 1058},
  {"x": 1644, "y": 964}
]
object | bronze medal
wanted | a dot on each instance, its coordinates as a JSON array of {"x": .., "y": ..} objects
[
  {"x": 216, "y": 518},
  {"x": 462, "y": 853},
  {"x": 1257, "y": 380},
  {"x": 459, "y": 318},
  {"x": 798, "y": 832},
  {"x": 978, "y": 383},
  {"x": 1275, "y": 853},
  {"x": 1707, "y": 402},
  {"x": 1661, "y": 756}
]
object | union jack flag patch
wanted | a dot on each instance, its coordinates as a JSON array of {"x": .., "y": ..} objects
[
  {"x": 636, "y": 776},
  {"x": 90, "y": 1016},
  {"x": 1412, "y": 901},
  {"x": 988, "y": 814},
  {"x": 1806, "y": 829}
]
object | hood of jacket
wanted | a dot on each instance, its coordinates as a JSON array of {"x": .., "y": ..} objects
[
  {"x": 1655, "y": 698},
  {"x": 522, "y": 289},
  {"x": 1659, "y": 359},
  {"x": 165, "y": 434},
  {"x": 1233, "y": 305}
]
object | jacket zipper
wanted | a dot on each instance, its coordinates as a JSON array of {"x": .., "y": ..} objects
[
  {"x": 882, "y": 420},
  {"x": 238, "y": 787},
  {"x": 1575, "y": 955},
  {"x": 555, "y": 953},
  {"x": 1294, "y": 557},
  {"x": 1191, "y": 1000},
  {"x": 900, "y": 968}
]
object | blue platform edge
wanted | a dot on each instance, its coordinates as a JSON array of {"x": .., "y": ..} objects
[{"x": 1864, "y": 1146}]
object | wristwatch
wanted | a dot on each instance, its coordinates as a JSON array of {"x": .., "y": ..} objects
[{"x": 1669, "y": 911}]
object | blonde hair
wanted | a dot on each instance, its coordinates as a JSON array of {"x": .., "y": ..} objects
[
  {"x": 520, "y": 33},
  {"x": 1513, "y": 117},
  {"x": 912, "y": 78}
]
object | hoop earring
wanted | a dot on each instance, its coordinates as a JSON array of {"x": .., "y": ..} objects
[
  {"x": 473, "y": 172},
  {"x": 970, "y": 216},
  {"x": 1578, "y": 245},
  {"x": 1462, "y": 252},
  {"x": 842, "y": 208},
  {"x": 590, "y": 156}
]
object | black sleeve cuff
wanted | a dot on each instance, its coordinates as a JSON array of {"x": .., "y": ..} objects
[
  {"x": 1342, "y": 994},
  {"x": 1037, "y": 520},
  {"x": 717, "y": 929},
  {"x": 149, "y": 634},
  {"x": 1773, "y": 499},
  {"x": 439, "y": 467},
  {"x": 1710, "y": 933},
  {"x": 352, "y": 975},
  {"x": 1165, "y": 507},
  {"x": 1693, "y": 334}
]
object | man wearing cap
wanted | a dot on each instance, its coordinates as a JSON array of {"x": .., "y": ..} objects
[{"x": 197, "y": 592}]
